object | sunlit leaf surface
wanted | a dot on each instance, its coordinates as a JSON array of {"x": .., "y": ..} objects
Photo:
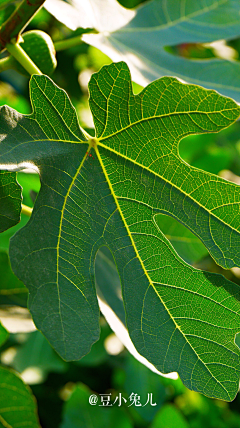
[{"x": 107, "y": 190}]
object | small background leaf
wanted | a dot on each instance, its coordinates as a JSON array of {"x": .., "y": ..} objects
[
  {"x": 157, "y": 24},
  {"x": 17, "y": 404},
  {"x": 78, "y": 413}
]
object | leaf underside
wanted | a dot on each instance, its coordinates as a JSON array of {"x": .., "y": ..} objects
[{"x": 179, "y": 318}]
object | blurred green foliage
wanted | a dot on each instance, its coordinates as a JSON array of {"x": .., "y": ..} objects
[{"x": 62, "y": 390}]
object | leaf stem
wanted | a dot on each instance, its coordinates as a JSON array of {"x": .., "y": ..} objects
[
  {"x": 19, "y": 19},
  {"x": 20, "y": 55},
  {"x": 68, "y": 43},
  {"x": 26, "y": 210}
]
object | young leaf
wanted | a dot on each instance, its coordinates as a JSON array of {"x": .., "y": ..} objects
[
  {"x": 10, "y": 200},
  {"x": 106, "y": 191}
]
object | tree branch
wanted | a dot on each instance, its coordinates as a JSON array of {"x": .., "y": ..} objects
[{"x": 19, "y": 19}]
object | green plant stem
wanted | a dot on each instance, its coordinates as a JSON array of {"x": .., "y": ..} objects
[
  {"x": 19, "y": 19},
  {"x": 68, "y": 43},
  {"x": 20, "y": 55},
  {"x": 26, "y": 210}
]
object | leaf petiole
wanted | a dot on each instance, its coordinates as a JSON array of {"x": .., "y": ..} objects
[
  {"x": 21, "y": 56},
  {"x": 68, "y": 43},
  {"x": 26, "y": 210}
]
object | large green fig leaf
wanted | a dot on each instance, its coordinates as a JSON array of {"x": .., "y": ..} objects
[
  {"x": 107, "y": 190},
  {"x": 140, "y": 37}
]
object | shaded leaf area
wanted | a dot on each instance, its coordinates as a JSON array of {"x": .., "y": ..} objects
[
  {"x": 17, "y": 404},
  {"x": 179, "y": 318},
  {"x": 108, "y": 283},
  {"x": 98, "y": 354},
  {"x": 10, "y": 200},
  {"x": 58, "y": 319},
  {"x": 78, "y": 413}
]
